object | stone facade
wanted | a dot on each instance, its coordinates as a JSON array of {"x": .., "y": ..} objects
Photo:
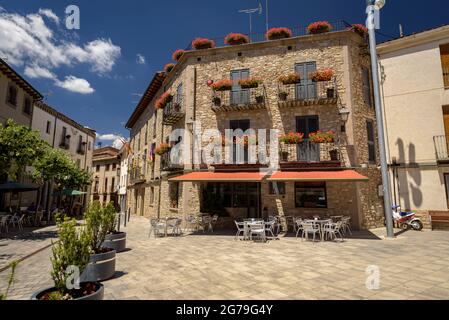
[
  {"x": 106, "y": 175},
  {"x": 344, "y": 52}
]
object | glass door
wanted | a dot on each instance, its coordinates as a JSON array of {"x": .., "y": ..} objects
[{"x": 306, "y": 151}]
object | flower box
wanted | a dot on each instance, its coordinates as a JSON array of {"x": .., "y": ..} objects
[
  {"x": 360, "y": 29},
  {"x": 319, "y": 27},
  {"x": 203, "y": 43},
  {"x": 292, "y": 78},
  {"x": 322, "y": 137},
  {"x": 169, "y": 67},
  {"x": 162, "y": 149},
  {"x": 234, "y": 39},
  {"x": 292, "y": 138},
  {"x": 178, "y": 54},
  {"x": 250, "y": 83},
  {"x": 222, "y": 85},
  {"x": 321, "y": 75},
  {"x": 279, "y": 33},
  {"x": 165, "y": 99}
]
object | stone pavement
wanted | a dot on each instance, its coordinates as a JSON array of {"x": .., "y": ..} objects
[{"x": 412, "y": 266}]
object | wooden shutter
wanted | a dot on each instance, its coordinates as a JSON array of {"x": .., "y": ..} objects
[
  {"x": 239, "y": 95},
  {"x": 306, "y": 89}
]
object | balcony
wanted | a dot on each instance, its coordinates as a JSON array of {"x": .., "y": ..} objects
[
  {"x": 168, "y": 165},
  {"x": 65, "y": 142},
  {"x": 239, "y": 100},
  {"x": 307, "y": 154},
  {"x": 315, "y": 93},
  {"x": 81, "y": 150},
  {"x": 136, "y": 175},
  {"x": 441, "y": 148},
  {"x": 173, "y": 112}
]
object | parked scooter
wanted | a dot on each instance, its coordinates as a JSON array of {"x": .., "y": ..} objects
[{"x": 406, "y": 220}]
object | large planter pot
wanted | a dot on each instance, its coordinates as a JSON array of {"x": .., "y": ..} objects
[
  {"x": 101, "y": 267},
  {"x": 97, "y": 295},
  {"x": 116, "y": 241}
]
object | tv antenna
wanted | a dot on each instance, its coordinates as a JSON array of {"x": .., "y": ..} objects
[{"x": 250, "y": 13}]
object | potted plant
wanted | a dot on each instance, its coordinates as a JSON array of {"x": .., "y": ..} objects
[
  {"x": 222, "y": 85},
  {"x": 169, "y": 67},
  {"x": 319, "y": 27},
  {"x": 279, "y": 33},
  {"x": 178, "y": 54},
  {"x": 162, "y": 149},
  {"x": 322, "y": 137},
  {"x": 102, "y": 261},
  {"x": 114, "y": 239},
  {"x": 203, "y": 43},
  {"x": 164, "y": 99},
  {"x": 216, "y": 101},
  {"x": 291, "y": 78},
  {"x": 283, "y": 95},
  {"x": 360, "y": 29},
  {"x": 250, "y": 83},
  {"x": 72, "y": 249},
  {"x": 292, "y": 138},
  {"x": 234, "y": 39},
  {"x": 321, "y": 75},
  {"x": 260, "y": 99},
  {"x": 333, "y": 154}
]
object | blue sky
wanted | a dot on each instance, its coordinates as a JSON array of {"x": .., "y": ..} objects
[{"x": 94, "y": 74}]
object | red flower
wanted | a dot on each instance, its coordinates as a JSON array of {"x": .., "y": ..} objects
[
  {"x": 178, "y": 54},
  {"x": 322, "y": 137},
  {"x": 291, "y": 78},
  {"x": 164, "y": 99},
  {"x": 279, "y": 33},
  {"x": 169, "y": 67},
  {"x": 319, "y": 27},
  {"x": 322, "y": 75},
  {"x": 360, "y": 29},
  {"x": 236, "y": 39},
  {"x": 203, "y": 43},
  {"x": 222, "y": 85},
  {"x": 250, "y": 83},
  {"x": 292, "y": 138},
  {"x": 162, "y": 149}
]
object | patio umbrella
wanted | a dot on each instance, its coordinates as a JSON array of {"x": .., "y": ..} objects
[
  {"x": 70, "y": 193},
  {"x": 17, "y": 187}
]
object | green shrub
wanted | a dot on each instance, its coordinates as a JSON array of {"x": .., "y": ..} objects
[
  {"x": 99, "y": 222},
  {"x": 13, "y": 266},
  {"x": 110, "y": 216}
]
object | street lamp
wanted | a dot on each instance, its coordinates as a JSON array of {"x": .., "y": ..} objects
[{"x": 372, "y": 6}]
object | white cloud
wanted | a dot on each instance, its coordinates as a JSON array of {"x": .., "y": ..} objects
[
  {"x": 74, "y": 84},
  {"x": 141, "y": 59},
  {"x": 39, "y": 72},
  {"x": 27, "y": 39},
  {"x": 117, "y": 140},
  {"x": 49, "y": 14}
]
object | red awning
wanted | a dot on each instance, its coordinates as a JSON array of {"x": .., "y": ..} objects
[
  {"x": 345, "y": 175},
  {"x": 221, "y": 177}
]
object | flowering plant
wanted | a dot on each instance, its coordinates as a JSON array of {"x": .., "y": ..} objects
[
  {"x": 291, "y": 78},
  {"x": 162, "y": 149},
  {"x": 169, "y": 67},
  {"x": 322, "y": 137},
  {"x": 165, "y": 99},
  {"x": 360, "y": 29},
  {"x": 279, "y": 33},
  {"x": 203, "y": 43},
  {"x": 250, "y": 83},
  {"x": 236, "y": 38},
  {"x": 321, "y": 75},
  {"x": 222, "y": 85},
  {"x": 319, "y": 27},
  {"x": 292, "y": 138},
  {"x": 178, "y": 54}
]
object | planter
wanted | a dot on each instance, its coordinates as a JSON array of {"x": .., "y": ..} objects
[
  {"x": 334, "y": 155},
  {"x": 283, "y": 96},
  {"x": 101, "y": 267},
  {"x": 260, "y": 99},
  {"x": 115, "y": 241},
  {"x": 330, "y": 93},
  {"x": 97, "y": 295},
  {"x": 216, "y": 101},
  {"x": 284, "y": 156}
]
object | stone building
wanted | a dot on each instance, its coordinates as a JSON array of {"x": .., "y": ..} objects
[
  {"x": 415, "y": 87},
  {"x": 106, "y": 175},
  {"x": 335, "y": 178}
]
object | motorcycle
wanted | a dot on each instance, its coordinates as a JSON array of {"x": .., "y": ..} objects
[{"x": 406, "y": 220}]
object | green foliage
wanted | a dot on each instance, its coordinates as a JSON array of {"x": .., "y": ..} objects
[
  {"x": 99, "y": 221},
  {"x": 71, "y": 250},
  {"x": 20, "y": 147},
  {"x": 110, "y": 218},
  {"x": 13, "y": 266}
]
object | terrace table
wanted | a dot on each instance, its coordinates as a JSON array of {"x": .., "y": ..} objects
[{"x": 321, "y": 223}]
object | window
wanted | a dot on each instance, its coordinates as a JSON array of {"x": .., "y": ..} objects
[
  {"x": 64, "y": 139},
  {"x": 444, "y": 53},
  {"x": 89, "y": 146},
  {"x": 155, "y": 124},
  {"x": 216, "y": 196},
  {"x": 27, "y": 106},
  {"x": 306, "y": 89},
  {"x": 152, "y": 196},
  {"x": 113, "y": 185},
  {"x": 371, "y": 142},
  {"x": 239, "y": 95},
  {"x": 78, "y": 163},
  {"x": 97, "y": 168},
  {"x": 80, "y": 145},
  {"x": 277, "y": 188},
  {"x": 173, "y": 191},
  {"x": 367, "y": 92},
  {"x": 310, "y": 195},
  {"x": 114, "y": 167},
  {"x": 146, "y": 136},
  {"x": 12, "y": 95},
  {"x": 179, "y": 94},
  {"x": 48, "y": 127},
  {"x": 106, "y": 185},
  {"x": 138, "y": 143},
  {"x": 108, "y": 167},
  {"x": 243, "y": 125}
]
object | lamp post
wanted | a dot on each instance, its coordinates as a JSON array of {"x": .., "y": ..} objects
[{"x": 372, "y": 6}]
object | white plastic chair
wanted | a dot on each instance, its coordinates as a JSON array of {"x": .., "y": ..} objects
[
  {"x": 310, "y": 227},
  {"x": 332, "y": 231},
  {"x": 241, "y": 230},
  {"x": 299, "y": 228},
  {"x": 346, "y": 225},
  {"x": 175, "y": 226},
  {"x": 258, "y": 229},
  {"x": 269, "y": 228},
  {"x": 155, "y": 227}
]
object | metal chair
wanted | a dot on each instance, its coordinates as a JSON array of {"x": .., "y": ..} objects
[
  {"x": 4, "y": 223},
  {"x": 241, "y": 230},
  {"x": 309, "y": 227},
  {"x": 258, "y": 229},
  {"x": 174, "y": 224},
  {"x": 299, "y": 228},
  {"x": 346, "y": 225},
  {"x": 333, "y": 230},
  {"x": 269, "y": 228},
  {"x": 155, "y": 226},
  {"x": 191, "y": 223}
]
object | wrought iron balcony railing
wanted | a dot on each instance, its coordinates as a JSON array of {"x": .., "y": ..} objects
[
  {"x": 173, "y": 112},
  {"x": 323, "y": 92},
  {"x": 168, "y": 165},
  {"x": 136, "y": 175},
  {"x": 308, "y": 152},
  {"x": 441, "y": 148},
  {"x": 236, "y": 100}
]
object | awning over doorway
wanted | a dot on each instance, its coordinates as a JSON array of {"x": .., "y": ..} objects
[
  {"x": 220, "y": 177},
  {"x": 345, "y": 175}
]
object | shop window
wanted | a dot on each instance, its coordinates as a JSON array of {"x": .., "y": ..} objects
[
  {"x": 277, "y": 188},
  {"x": 310, "y": 195}
]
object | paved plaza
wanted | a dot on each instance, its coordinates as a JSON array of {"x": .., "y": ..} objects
[{"x": 412, "y": 266}]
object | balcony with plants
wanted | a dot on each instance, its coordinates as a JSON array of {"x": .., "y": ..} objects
[
  {"x": 246, "y": 94},
  {"x": 163, "y": 150},
  {"x": 172, "y": 106},
  {"x": 320, "y": 87}
]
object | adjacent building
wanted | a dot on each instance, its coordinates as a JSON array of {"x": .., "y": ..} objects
[
  {"x": 106, "y": 175},
  {"x": 124, "y": 155},
  {"x": 415, "y": 87},
  {"x": 340, "y": 177}
]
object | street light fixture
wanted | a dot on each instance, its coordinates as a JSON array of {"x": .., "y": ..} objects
[
  {"x": 344, "y": 114},
  {"x": 372, "y": 6}
]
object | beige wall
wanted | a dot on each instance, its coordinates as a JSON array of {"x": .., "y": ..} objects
[
  {"x": 414, "y": 94},
  {"x": 108, "y": 191}
]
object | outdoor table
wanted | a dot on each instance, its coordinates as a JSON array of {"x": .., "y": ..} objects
[
  {"x": 247, "y": 226},
  {"x": 321, "y": 223}
]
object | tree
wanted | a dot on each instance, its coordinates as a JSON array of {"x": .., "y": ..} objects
[{"x": 20, "y": 147}]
